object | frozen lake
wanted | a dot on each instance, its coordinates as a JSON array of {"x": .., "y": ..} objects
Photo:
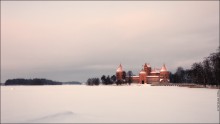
[{"x": 80, "y": 103}]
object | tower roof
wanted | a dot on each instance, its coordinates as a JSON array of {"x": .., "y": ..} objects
[
  {"x": 119, "y": 69},
  {"x": 163, "y": 68},
  {"x": 147, "y": 65},
  {"x": 142, "y": 72}
]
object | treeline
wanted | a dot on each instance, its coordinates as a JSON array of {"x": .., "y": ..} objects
[
  {"x": 110, "y": 80},
  {"x": 93, "y": 81},
  {"x": 105, "y": 80},
  {"x": 35, "y": 81},
  {"x": 206, "y": 72}
]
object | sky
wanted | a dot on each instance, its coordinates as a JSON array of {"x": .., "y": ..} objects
[{"x": 77, "y": 40}]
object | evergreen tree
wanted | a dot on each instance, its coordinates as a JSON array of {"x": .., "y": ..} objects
[{"x": 130, "y": 79}]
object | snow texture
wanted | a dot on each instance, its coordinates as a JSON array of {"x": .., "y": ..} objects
[{"x": 108, "y": 104}]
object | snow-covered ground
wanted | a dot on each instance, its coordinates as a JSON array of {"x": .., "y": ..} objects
[{"x": 80, "y": 103}]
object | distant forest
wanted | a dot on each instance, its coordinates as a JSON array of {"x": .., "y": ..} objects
[
  {"x": 206, "y": 72},
  {"x": 37, "y": 81}
]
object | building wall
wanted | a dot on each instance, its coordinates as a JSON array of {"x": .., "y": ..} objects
[
  {"x": 135, "y": 79},
  {"x": 142, "y": 78},
  {"x": 154, "y": 74},
  {"x": 165, "y": 76},
  {"x": 148, "y": 70},
  {"x": 146, "y": 80},
  {"x": 119, "y": 75},
  {"x": 153, "y": 79}
]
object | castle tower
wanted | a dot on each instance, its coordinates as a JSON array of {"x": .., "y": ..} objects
[
  {"x": 142, "y": 76},
  {"x": 119, "y": 73},
  {"x": 164, "y": 74},
  {"x": 145, "y": 68},
  {"x": 148, "y": 69}
]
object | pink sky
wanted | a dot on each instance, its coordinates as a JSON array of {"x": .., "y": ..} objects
[{"x": 73, "y": 40}]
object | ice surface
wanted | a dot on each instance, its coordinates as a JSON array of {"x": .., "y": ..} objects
[{"x": 135, "y": 103}]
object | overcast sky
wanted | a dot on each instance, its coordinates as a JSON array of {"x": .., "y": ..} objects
[{"x": 73, "y": 40}]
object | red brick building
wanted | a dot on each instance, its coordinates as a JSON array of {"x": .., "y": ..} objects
[{"x": 147, "y": 75}]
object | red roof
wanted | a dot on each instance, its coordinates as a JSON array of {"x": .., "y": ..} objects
[
  {"x": 119, "y": 68},
  {"x": 163, "y": 68}
]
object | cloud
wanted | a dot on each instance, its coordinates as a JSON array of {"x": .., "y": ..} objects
[{"x": 75, "y": 40}]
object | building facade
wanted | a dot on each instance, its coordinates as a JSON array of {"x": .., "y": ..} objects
[{"x": 147, "y": 75}]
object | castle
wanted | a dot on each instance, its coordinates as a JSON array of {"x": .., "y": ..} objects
[{"x": 147, "y": 75}]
